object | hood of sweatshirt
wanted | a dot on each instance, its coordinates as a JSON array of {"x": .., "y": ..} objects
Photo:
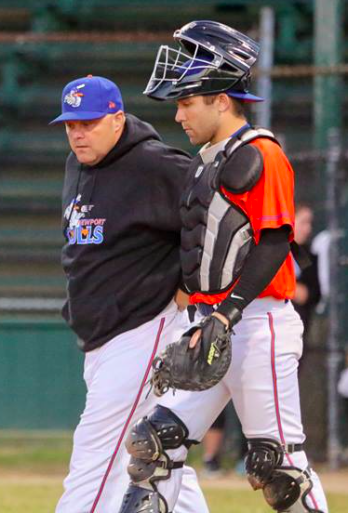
[{"x": 135, "y": 131}]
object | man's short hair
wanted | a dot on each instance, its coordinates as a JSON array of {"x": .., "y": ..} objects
[{"x": 239, "y": 107}]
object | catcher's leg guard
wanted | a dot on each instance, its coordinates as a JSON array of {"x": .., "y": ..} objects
[
  {"x": 288, "y": 490},
  {"x": 285, "y": 488},
  {"x": 147, "y": 443}
]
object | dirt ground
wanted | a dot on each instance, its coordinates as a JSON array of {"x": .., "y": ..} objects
[{"x": 333, "y": 482}]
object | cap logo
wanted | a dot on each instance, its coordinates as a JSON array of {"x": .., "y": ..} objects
[
  {"x": 112, "y": 105},
  {"x": 74, "y": 97}
]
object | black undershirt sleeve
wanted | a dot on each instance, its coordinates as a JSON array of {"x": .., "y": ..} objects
[{"x": 264, "y": 261}]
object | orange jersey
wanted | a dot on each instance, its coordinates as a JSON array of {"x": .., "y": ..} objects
[{"x": 269, "y": 204}]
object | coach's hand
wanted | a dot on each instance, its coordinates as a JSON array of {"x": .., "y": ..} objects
[{"x": 182, "y": 300}]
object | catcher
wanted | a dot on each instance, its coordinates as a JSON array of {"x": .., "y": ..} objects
[{"x": 237, "y": 215}]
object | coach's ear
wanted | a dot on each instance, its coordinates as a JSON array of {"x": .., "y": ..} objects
[{"x": 119, "y": 120}]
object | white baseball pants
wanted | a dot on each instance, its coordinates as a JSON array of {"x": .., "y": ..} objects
[
  {"x": 263, "y": 384},
  {"x": 116, "y": 376}
]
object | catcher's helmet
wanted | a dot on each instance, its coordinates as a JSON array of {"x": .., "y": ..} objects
[{"x": 212, "y": 58}]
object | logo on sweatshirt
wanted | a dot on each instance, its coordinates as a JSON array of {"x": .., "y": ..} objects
[
  {"x": 199, "y": 171},
  {"x": 82, "y": 230}
]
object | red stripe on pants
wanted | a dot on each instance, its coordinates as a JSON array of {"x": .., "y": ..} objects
[
  {"x": 135, "y": 404},
  {"x": 276, "y": 398}
]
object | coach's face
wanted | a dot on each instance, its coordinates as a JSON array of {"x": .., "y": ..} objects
[{"x": 92, "y": 140}]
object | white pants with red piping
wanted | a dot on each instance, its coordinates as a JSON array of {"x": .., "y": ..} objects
[
  {"x": 116, "y": 376},
  {"x": 263, "y": 384}
]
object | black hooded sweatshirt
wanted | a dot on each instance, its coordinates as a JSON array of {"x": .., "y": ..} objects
[{"x": 122, "y": 229}]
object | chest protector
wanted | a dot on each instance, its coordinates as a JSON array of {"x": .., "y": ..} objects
[{"x": 217, "y": 236}]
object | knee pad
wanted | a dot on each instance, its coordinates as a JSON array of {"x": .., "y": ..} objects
[
  {"x": 153, "y": 435},
  {"x": 263, "y": 456},
  {"x": 147, "y": 443}
]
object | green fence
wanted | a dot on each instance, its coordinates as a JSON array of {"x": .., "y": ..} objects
[{"x": 41, "y": 385}]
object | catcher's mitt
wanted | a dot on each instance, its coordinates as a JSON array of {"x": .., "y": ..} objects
[{"x": 195, "y": 369}]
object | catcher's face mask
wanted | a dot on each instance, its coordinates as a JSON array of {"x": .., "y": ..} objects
[{"x": 177, "y": 73}]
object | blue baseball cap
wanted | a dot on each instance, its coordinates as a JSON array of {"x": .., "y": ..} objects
[{"x": 89, "y": 98}]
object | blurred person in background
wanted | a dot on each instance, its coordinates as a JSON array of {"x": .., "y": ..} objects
[
  {"x": 214, "y": 440},
  {"x": 307, "y": 291},
  {"x": 342, "y": 385},
  {"x": 213, "y": 447},
  {"x": 121, "y": 258},
  {"x": 321, "y": 248},
  {"x": 342, "y": 388}
]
